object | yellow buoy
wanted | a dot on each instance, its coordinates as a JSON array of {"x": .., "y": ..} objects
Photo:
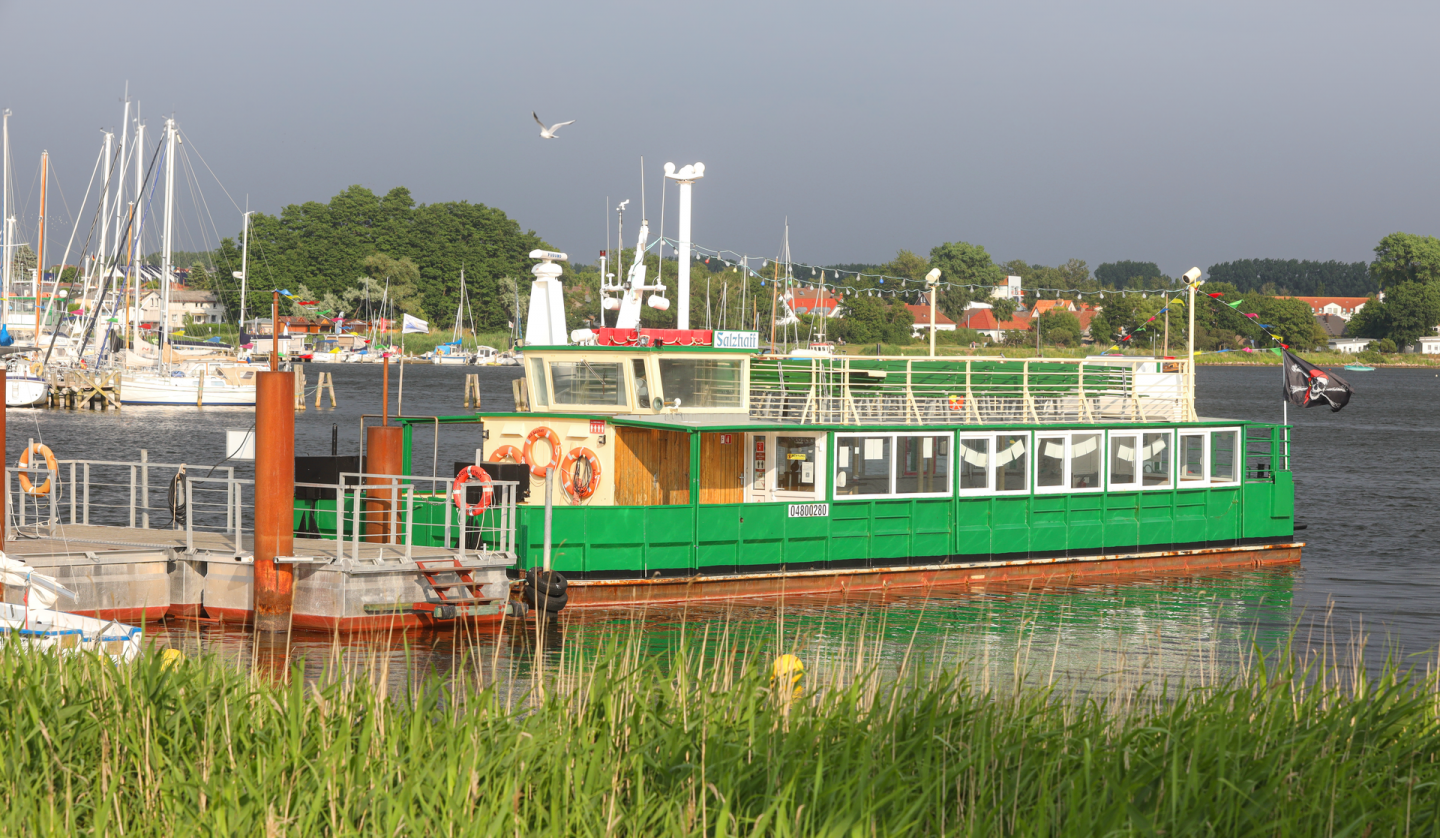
[
  {"x": 170, "y": 657},
  {"x": 786, "y": 673}
]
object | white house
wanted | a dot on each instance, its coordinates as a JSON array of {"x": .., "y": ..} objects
[
  {"x": 1349, "y": 346},
  {"x": 1429, "y": 345},
  {"x": 1011, "y": 290}
]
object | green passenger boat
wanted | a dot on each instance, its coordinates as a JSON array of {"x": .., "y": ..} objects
[{"x": 684, "y": 470}]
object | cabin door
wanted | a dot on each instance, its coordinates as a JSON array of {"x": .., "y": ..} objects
[{"x": 785, "y": 467}]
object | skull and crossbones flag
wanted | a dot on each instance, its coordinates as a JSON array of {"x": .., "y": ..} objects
[{"x": 1306, "y": 385}]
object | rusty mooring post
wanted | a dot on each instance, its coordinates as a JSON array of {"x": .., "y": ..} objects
[{"x": 274, "y": 499}]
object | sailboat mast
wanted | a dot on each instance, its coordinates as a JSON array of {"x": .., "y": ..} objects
[
  {"x": 120, "y": 177},
  {"x": 167, "y": 243},
  {"x": 137, "y": 210},
  {"x": 104, "y": 204},
  {"x": 6, "y": 223},
  {"x": 244, "y": 260},
  {"x": 40, "y": 264}
]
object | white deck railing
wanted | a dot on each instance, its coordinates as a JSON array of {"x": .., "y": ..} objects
[{"x": 917, "y": 391}]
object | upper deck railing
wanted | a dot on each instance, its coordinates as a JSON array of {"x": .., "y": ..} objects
[{"x": 845, "y": 390}]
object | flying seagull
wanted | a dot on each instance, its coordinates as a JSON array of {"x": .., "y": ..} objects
[{"x": 548, "y": 133}]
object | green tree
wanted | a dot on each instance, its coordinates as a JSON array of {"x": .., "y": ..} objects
[
  {"x": 1057, "y": 328},
  {"x": 1293, "y": 321},
  {"x": 906, "y": 264},
  {"x": 1404, "y": 257},
  {"x": 963, "y": 264},
  {"x": 1412, "y": 309},
  {"x": 1119, "y": 314},
  {"x": 1128, "y": 274}
]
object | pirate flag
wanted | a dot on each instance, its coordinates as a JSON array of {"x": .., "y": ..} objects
[{"x": 1306, "y": 385}]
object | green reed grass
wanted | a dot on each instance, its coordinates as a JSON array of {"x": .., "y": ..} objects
[{"x": 698, "y": 741}]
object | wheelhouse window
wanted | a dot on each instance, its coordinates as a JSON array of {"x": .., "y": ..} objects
[
  {"x": 1085, "y": 455},
  {"x": 1011, "y": 462},
  {"x": 705, "y": 383},
  {"x": 974, "y": 465},
  {"x": 862, "y": 465},
  {"x": 1050, "y": 462},
  {"x": 1155, "y": 465},
  {"x": 588, "y": 383},
  {"x": 537, "y": 375}
]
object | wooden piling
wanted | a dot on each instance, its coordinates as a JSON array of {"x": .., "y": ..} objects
[
  {"x": 274, "y": 499},
  {"x": 299, "y": 388},
  {"x": 472, "y": 385},
  {"x": 324, "y": 385}
]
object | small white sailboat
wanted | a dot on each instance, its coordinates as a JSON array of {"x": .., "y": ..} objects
[
  {"x": 453, "y": 353},
  {"x": 231, "y": 385},
  {"x": 24, "y": 387}
]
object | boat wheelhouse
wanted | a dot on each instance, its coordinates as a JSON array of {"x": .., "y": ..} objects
[{"x": 684, "y": 469}]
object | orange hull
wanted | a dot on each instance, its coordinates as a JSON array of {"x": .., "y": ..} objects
[{"x": 630, "y": 592}]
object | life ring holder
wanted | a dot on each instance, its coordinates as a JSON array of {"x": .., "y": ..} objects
[
  {"x": 457, "y": 491},
  {"x": 567, "y": 473},
  {"x": 504, "y": 452},
  {"x": 549, "y": 436},
  {"x": 43, "y": 450}
]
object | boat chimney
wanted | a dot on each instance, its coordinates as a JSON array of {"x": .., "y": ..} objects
[
  {"x": 274, "y": 500},
  {"x": 686, "y": 177}
]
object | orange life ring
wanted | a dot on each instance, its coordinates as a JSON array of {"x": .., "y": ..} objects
[
  {"x": 457, "y": 491},
  {"x": 499, "y": 455},
  {"x": 567, "y": 473},
  {"x": 43, "y": 450},
  {"x": 549, "y": 436}
]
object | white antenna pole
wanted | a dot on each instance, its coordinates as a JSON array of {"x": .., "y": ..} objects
[
  {"x": 166, "y": 264},
  {"x": 6, "y": 221},
  {"x": 686, "y": 177}
]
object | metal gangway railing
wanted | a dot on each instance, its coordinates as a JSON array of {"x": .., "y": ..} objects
[
  {"x": 369, "y": 510},
  {"x": 844, "y": 390}
]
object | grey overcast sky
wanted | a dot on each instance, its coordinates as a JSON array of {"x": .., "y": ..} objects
[{"x": 1183, "y": 133}]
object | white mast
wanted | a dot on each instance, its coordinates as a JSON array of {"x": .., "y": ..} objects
[
  {"x": 120, "y": 178},
  {"x": 686, "y": 178},
  {"x": 104, "y": 206},
  {"x": 244, "y": 273},
  {"x": 167, "y": 237},
  {"x": 136, "y": 210},
  {"x": 8, "y": 224}
]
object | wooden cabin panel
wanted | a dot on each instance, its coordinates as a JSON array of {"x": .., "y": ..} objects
[
  {"x": 722, "y": 469},
  {"x": 652, "y": 467}
]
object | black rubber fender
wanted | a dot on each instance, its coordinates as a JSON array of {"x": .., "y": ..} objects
[{"x": 550, "y": 582}]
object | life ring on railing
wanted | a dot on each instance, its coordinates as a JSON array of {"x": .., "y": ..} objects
[
  {"x": 567, "y": 473},
  {"x": 499, "y": 455},
  {"x": 457, "y": 491},
  {"x": 43, "y": 450},
  {"x": 549, "y": 436},
  {"x": 37, "y": 369}
]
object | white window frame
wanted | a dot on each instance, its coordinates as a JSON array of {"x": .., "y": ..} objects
[
  {"x": 1067, "y": 458},
  {"x": 894, "y": 454},
  {"x": 821, "y": 490},
  {"x": 989, "y": 464},
  {"x": 995, "y": 466},
  {"x": 1140, "y": 463},
  {"x": 1181, "y": 482},
  {"x": 1238, "y": 466},
  {"x": 895, "y": 466},
  {"x": 1134, "y": 437}
]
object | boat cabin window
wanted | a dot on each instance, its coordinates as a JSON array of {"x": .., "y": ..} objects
[
  {"x": 974, "y": 465},
  {"x": 1011, "y": 462},
  {"x": 1122, "y": 462},
  {"x": 642, "y": 384},
  {"x": 1222, "y": 456},
  {"x": 795, "y": 464},
  {"x": 1067, "y": 462},
  {"x": 1192, "y": 458},
  {"x": 898, "y": 464},
  {"x": 1155, "y": 460},
  {"x": 706, "y": 383},
  {"x": 588, "y": 383},
  {"x": 537, "y": 375},
  {"x": 862, "y": 465}
]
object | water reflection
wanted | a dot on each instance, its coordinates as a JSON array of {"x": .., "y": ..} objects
[{"x": 1101, "y": 635}]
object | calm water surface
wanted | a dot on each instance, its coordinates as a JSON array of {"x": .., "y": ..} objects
[{"x": 1366, "y": 485}]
